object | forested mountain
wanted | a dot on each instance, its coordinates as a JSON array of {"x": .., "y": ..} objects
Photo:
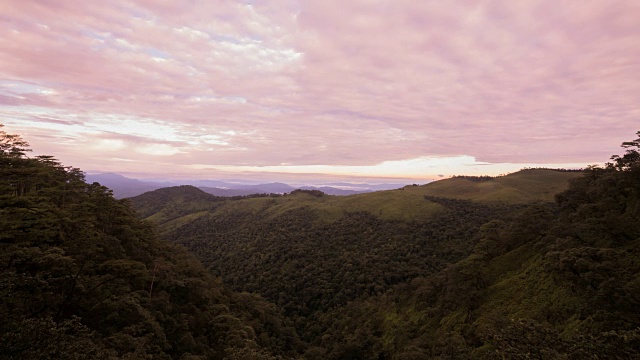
[
  {"x": 81, "y": 277},
  {"x": 331, "y": 250},
  {"x": 468, "y": 267},
  {"x": 559, "y": 281}
]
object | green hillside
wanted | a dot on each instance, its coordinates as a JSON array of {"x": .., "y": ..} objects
[
  {"x": 331, "y": 250},
  {"x": 165, "y": 205},
  {"x": 558, "y": 281},
  {"x": 520, "y": 187},
  {"x": 185, "y": 203},
  {"x": 546, "y": 285}
]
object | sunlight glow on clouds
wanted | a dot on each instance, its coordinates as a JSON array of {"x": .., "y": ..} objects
[
  {"x": 157, "y": 149},
  {"x": 112, "y": 144},
  {"x": 424, "y": 168},
  {"x": 362, "y": 87}
]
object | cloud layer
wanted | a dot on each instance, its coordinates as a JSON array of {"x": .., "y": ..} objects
[{"x": 190, "y": 87}]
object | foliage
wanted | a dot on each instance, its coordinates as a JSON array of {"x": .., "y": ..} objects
[
  {"x": 556, "y": 282},
  {"x": 307, "y": 266},
  {"x": 82, "y": 277}
]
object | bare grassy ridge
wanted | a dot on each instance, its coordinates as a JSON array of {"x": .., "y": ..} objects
[{"x": 520, "y": 187}]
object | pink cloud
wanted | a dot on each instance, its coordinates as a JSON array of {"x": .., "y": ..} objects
[{"x": 324, "y": 83}]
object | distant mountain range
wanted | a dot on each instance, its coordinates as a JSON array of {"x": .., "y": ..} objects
[{"x": 124, "y": 187}]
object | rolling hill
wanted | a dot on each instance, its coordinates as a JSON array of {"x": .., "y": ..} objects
[
  {"x": 520, "y": 187},
  {"x": 334, "y": 250},
  {"x": 407, "y": 203}
]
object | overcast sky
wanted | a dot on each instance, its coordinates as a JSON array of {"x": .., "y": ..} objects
[{"x": 372, "y": 88}]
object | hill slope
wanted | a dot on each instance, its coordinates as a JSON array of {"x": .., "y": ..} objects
[
  {"x": 559, "y": 281},
  {"x": 308, "y": 252},
  {"x": 404, "y": 204},
  {"x": 520, "y": 187}
]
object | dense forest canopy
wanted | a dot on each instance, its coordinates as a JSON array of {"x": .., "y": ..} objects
[
  {"x": 461, "y": 268},
  {"x": 83, "y": 278}
]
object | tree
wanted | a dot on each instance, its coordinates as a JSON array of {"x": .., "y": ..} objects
[
  {"x": 12, "y": 145},
  {"x": 631, "y": 158}
]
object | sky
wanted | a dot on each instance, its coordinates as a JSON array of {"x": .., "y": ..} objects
[{"x": 326, "y": 89}]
